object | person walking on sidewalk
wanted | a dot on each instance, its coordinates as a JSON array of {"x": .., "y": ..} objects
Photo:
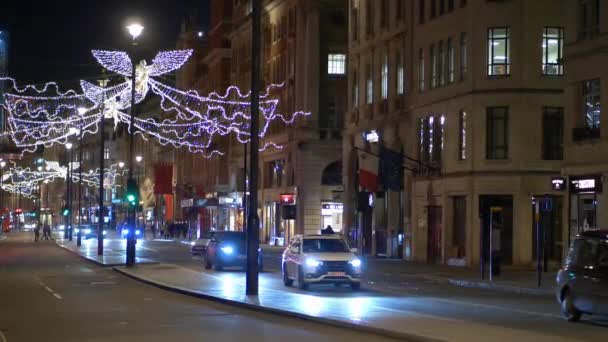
[{"x": 36, "y": 233}]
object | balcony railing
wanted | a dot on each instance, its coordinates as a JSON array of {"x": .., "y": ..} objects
[{"x": 585, "y": 133}]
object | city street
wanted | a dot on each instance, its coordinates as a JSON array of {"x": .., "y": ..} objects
[
  {"x": 438, "y": 310},
  {"x": 49, "y": 294}
]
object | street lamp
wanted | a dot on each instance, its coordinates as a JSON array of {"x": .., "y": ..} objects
[
  {"x": 102, "y": 83},
  {"x": 139, "y": 159},
  {"x": 67, "y": 233},
  {"x": 2, "y": 165},
  {"x": 81, "y": 112},
  {"x": 135, "y": 30},
  {"x": 121, "y": 164}
]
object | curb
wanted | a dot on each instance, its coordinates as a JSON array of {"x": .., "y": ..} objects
[
  {"x": 255, "y": 307},
  {"x": 99, "y": 263},
  {"x": 501, "y": 288}
]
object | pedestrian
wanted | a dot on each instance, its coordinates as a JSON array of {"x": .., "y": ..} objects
[
  {"x": 328, "y": 230},
  {"x": 36, "y": 233},
  {"x": 46, "y": 232}
]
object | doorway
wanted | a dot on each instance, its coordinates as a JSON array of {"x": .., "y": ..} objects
[{"x": 434, "y": 214}]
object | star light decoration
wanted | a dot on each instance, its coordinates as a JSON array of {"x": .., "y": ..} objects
[
  {"x": 25, "y": 180},
  {"x": 39, "y": 119}
]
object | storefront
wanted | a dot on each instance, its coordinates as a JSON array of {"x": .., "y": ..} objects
[
  {"x": 331, "y": 215},
  {"x": 585, "y": 199}
]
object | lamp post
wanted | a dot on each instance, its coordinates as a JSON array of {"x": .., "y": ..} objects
[
  {"x": 100, "y": 216},
  {"x": 253, "y": 230},
  {"x": 67, "y": 234},
  {"x": 2, "y": 165},
  {"x": 135, "y": 31},
  {"x": 81, "y": 112}
]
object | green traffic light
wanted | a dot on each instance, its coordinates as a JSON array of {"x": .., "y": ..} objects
[{"x": 131, "y": 198}]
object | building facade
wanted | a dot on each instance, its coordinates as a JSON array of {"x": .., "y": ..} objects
[{"x": 472, "y": 93}]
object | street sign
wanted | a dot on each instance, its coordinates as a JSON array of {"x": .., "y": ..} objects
[{"x": 558, "y": 183}]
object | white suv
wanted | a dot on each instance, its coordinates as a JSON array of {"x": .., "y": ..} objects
[{"x": 321, "y": 259}]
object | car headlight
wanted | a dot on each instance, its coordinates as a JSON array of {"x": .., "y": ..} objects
[
  {"x": 312, "y": 263},
  {"x": 87, "y": 231},
  {"x": 227, "y": 249},
  {"x": 105, "y": 232},
  {"x": 192, "y": 243},
  {"x": 76, "y": 230},
  {"x": 355, "y": 262},
  {"x": 137, "y": 232}
]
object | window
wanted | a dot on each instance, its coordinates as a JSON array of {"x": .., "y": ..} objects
[
  {"x": 399, "y": 10},
  {"x": 421, "y": 11},
  {"x": 433, "y": 8},
  {"x": 459, "y": 237},
  {"x": 369, "y": 92},
  {"x": 463, "y": 55},
  {"x": 384, "y": 77},
  {"x": 450, "y": 5},
  {"x": 400, "y": 77},
  {"x": 430, "y": 138},
  {"x": 106, "y": 153},
  {"x": 498, "y": 51},
  {"x": 354, "y": 14},
  {"x": 276, "y": 171},
  {"x": 433, "y": 67},
  {"x": 553, "y": 50},
  {"x": 462, "y": 136},
  {"x": 497, "y": 140},
  {"x": 384, "y": 14},
  {"x": 553, "y": 133},
  {"x": 589, "y": 18},
  {"x": 591, "y": 103},
  {"x": 369, "y": 22},
  {"x": 336, "y": 64},
  {"x": 442, "y": 64},
  {"x": 355, "y": 90},
  {"x": 451, "y": 61},
  {"x": 421, "y": 70},
  {"x": 441, "y": 7}
]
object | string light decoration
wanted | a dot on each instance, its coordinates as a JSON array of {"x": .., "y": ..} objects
[{"x": 43, "y": 119}]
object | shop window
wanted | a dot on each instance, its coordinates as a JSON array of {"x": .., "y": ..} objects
[
  {"x": 498, "y": 52},
  {"x": 497, "y": 141},
  {"x": 553, "y": 51},
  {"x": 553, "y": 133}
]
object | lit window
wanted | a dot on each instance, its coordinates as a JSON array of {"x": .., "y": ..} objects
[
  {"x": 591, "y": 101},
  {"x": 433, "y": 67},
  {"x": 451, "y": 61},
  {"x": 421, "y": 70},
  {"x": 384, "y": 75},
  {"x": 355, "y": 90},
  {"x": 462, "y": 136},
  {"x": 442, "y": 64},
  {"x": 498, "y": 51},
  {"x": 336, "y": 64},
  {"x": 370, "y": 86},
  {"x": 463, "y": 55},
  {"x": 553, "y": 49},
  {"x": 106, "y": 153},
  {"x": 400, "y": 76}
]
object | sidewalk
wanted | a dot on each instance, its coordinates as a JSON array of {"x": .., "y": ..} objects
[
  {"x": 88, "y": 251},
  {"x": 511, "y": 280}
]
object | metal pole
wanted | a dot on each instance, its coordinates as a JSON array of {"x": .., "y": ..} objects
[
  {"x": 245, "y": 189},
  {"x": 491, "y": 248},
  {"x": 538, "y": 244},
  {"x": 131, "y": 211},
  {"x": 79, "y": 236},
  {"x": 70, "y": 172},
  {"x": 102, "y": 83},
  {"x": 253, "y": 232}
]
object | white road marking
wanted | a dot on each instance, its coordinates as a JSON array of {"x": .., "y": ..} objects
[
  {"x": 149, "y": 249},
  {"x": 50, "y": 290},
  {"x": 57, "y": 295},
  {"x": 2, "y": 337}
]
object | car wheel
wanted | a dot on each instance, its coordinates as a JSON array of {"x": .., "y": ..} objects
[
  {"x": 286, "y": 281},
  {"x": 355, "y": 286},
  {"x": 302, "y": 285},
  {"x": 569, "y": 310},
  {"x": 207, "y": 264}
]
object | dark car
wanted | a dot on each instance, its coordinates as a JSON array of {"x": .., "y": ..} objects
[
  {"x": 228, "y": 249},
  {"x": 582, "y": 284},
  {"x": 199, "y": 247}
]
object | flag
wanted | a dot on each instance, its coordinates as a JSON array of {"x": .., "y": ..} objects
[
  {"x": 391, "y": 169},
  {"x": 368, "y": 171}
]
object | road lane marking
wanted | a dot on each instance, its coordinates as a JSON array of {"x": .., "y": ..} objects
[
  {"x": 50, "y": 290},
  {"x": 57, "y": 296},
  {"x": 148, "y": 249},
  {"x": 2, "y": 337}
]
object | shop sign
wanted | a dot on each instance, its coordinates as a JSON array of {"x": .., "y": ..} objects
[
  {"x": 288, "y": 199},
  {"x": 331, "y": 208},
  {"x": 586, "y": 184},
  {"x": 371, "y": 136},
  {"x": 558, "y": 183},
  {"x": 226, "y": 200},
  {"x": 187, "y": 203}
]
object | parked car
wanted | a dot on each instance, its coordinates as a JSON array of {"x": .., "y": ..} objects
[
  {"x": 582, "y": 283},
  {"x": 199, "y": 246},
  {"x": 228, "y": 249},
  {"x": 321, "y": 259}
]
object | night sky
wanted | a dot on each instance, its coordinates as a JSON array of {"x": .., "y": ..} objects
[{"x": 51, "y": 40}]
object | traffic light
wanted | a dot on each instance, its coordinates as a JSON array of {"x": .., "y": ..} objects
[
  {"x": 65, "y": 211},
  {"x": 132, "y": 194}
]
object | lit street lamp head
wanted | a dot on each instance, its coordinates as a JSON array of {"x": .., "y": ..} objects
[
  {"x": 68, "y": 146},
  {"x": 139, "y": 159},
  {"x": 135, "y": 30},
  {"x": 2, "y": 163},
  {"x": 121, "y": 164},
  {"x": 82, "y": 110}
]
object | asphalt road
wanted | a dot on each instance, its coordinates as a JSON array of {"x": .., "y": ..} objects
[
  {"x": 49, "y": 294},
  {"x": 409, "y": 295}
]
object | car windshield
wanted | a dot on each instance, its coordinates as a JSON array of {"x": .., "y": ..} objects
[{"x": 324, "y": 246}]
